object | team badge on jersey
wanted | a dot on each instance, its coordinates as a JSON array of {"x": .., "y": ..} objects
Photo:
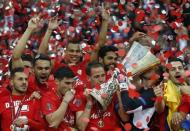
[
  {"x": 77, "y": 102},
  {"x": 49, "y": 106}
]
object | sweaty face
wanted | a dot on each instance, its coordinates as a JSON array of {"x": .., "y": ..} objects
[
  {"x": 97, "y": 76},
  {"x": 65, "y": 84},
  {"x": 73, "y": 53},
  {"x": 110, "y": 60},
  {"x": 42, "y": 69},
  {"x": 20, "y": 82},
  {"x": 176, "y": 71}
]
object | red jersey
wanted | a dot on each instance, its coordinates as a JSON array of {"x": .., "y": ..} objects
[
  {"x": 79, "y": 69},
  {"x": 185, "y": 104},
  {"x": 51, "y": 102},
  {"x": 21, "y": 106},
  {"x": 33, "y": 85},
  {"x": 102, "y": 120},
  {"x": 5, "y": 91}
]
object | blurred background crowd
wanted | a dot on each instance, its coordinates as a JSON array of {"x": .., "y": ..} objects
[{"x": 165, "y": 21}]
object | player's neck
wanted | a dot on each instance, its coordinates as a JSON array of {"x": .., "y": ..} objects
[
  {"x": 59, "y": 94},
  {"x": 15, "y": 92}
]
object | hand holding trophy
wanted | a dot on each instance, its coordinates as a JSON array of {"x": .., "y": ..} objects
[{"x": 137, "y": 54}]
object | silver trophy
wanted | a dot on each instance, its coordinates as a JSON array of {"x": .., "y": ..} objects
[
  {"x": 107, "y": 88},
  {"x": 137, "y": 54},
  {"x": 142, "y": 57}
]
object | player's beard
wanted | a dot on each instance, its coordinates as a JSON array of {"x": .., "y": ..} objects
[
  {"x": 110, "y": 67},
  {"x": 20, "y": 91}
]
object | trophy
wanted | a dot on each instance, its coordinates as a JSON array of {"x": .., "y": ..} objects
[
  {"x": 107, "y": 88},
  {"x": 138, "y": 55},
  {"x": 141, "y": 57}
]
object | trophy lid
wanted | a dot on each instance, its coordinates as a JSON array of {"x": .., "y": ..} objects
[{"x": 141, "y": 57}]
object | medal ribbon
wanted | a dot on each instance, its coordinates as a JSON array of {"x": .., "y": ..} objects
[{"x": 13, "y": 115}]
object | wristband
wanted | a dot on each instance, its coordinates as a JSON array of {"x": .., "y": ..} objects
[
  {"x": 65, "y": 101},
  {"x": 159, "y": 98},
  {"x": 88, "y": 106}
]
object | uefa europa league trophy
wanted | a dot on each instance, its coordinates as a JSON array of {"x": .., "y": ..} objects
[
  {"x": 138, "y": 55},
  {"x": 141, "y": 57},
  {"x": 107, "y": 88}
]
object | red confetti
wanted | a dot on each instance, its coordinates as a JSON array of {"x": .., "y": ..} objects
[
  {"x": 157, "y": 28},
  {"x": 129, "y": 74},
  {"x": 120, "y": 6},
  {"x": 139, "y": 124},
  {"x": 120, "y": 66},
  {"x": 126, "y": 30},
  {"x": 128, "y": 127},
  {"x": 154, "y": 35},
  {"x": 154, "y": 77},
  {"x": 140, "y": 15},
  {"x": 120, "y": 23},
  {"x": 181, "y": 80},
  {"x": 115, "y": 28},
  {"x": 175, "y": 13},
  {"x": 121, "y": 52},
  {"x": 185, "y": 37},
  {"x": 134, "y": 65},
  {"x": 133, "y": 93},
  {"x": 179, "y": 53},
  {"x": 97, "y": 86},
  {"x": 84, "y": 10},
  {"x": 162, "y": 59},
  {"x": 168, "y": 54},
  {"x": 104, "y": 95},
  {"x": 168, "y": 66}
]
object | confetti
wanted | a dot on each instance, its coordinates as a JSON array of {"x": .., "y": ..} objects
[
  {"x": 134, "y": 65},
  {"x": 104, "y": 95},
  {"x": 154, "y": 77},
  {"x": 121, "y": 52},
  {"x": 128, "y": 127},
  {"x": 138, "y": 124},
  {"x": 168, "y": 66},
  {"x": 133, "y": 93}
]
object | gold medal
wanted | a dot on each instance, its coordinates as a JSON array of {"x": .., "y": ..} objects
[{"x": 100, "y": 123}]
